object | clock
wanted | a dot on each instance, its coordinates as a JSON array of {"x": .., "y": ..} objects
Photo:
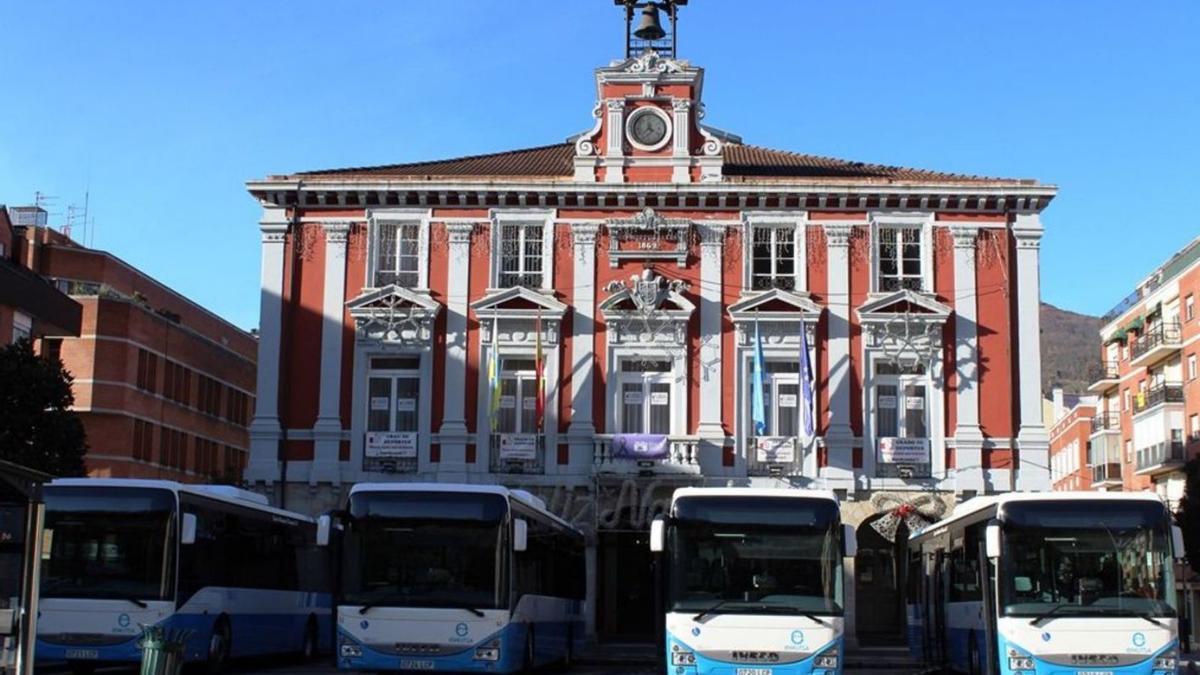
[{"x": 648, "y": 128}]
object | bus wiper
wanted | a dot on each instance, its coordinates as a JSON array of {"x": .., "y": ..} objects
[
  {"x": 135, "y": 600},
  {"x": 1046, "y": 615},
  {"x": 391, "y": 598},
  {"x": 711, "y": 610},
  {"x": 789, "y": 610},
  {"x": 1149, "y": 618}
]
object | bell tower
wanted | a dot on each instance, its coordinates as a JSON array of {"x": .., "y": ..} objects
[{"x": 648, "y": 111}]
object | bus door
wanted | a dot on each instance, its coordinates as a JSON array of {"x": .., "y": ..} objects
[
  {"x": 941, "y": 560},
  {"x": 988, "y": 589}
]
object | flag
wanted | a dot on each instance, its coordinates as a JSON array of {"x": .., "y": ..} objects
[
  {"x": 540, "y": 369},
  {"x": 808, "y": 422},
  {"x": 494, "y": 374},
  {"x": 758, "y": 412}
]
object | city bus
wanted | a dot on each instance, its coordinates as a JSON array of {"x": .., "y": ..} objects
[
  {"x": 753, "y": 581},
  {"x": 1063, "y": 582},
  {"x": 465, "y": 578},
  {"x": 117, "y": 554}
]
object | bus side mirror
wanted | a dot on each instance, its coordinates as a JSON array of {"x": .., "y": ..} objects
[
  {"x": 324, "y": 524},
  {"x": 849, "y": 541},
  {"x": 658, "y": 535},
  {"x": 1177, "y": 542},
  {"x": 187, "y": 533},
  {"x": 992, "y": 540},
  {"x": 520, "y": 535}
]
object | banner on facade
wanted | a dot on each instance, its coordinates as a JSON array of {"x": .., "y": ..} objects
[
  {"x": 903, "y": 450},
  {"x": 775, "y": 449},
  {"x": 400, "y": 444},
  {"x": 518, "y": 446},
  {"x": 640, "y": 446}
]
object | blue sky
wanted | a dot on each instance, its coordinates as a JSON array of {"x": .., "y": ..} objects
[{"x": 164, "y": 109}]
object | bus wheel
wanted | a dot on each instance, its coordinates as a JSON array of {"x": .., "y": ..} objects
[
  {"x": 308, "y": 648},
  {"x": 218, "y": 647}
]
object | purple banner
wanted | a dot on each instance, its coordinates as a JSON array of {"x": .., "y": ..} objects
[{"x": 640, "y": 446}]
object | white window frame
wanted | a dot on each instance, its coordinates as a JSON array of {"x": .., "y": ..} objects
[
  {"x": 22, "y": 326},
  {"x": 923, "y": 222},
  {"x": 392, "y": 375},
  {"x": 522, "y": 218},
  {"x": 900, "y": 382},
  {"x": 398, "y": 217},
  {"x": 1189, "y": 307},
  {"x": 647, "y": 379},
  {"x": 520, "y": 376},
  {"x": 1191, "y": 366},
  {"x": 773, "y": 381},
  {"x": 754, "y": 221}
]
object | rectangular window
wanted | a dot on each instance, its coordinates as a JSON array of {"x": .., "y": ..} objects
[
  {"x": 773, "y": 257},
  {"x": 147, "y": 371},
  {"x": 646, "y": 395},
  {"x": 521, "y": 256},
  {"x": 1191, "y": 366},
  {"x": 237, "y": 406},
  {"x": 1189, "y": 308},
  {"x": 397, "y": 254},
  {"x": 22, "y": 326},
  {"x": 899, "y": 258},
  {"x": 1128, "y": 452},
  {"x": 1125, "y": 399},
  {"x": 1194, "y": 427},
  {"x": 208, "y": 395},
  {"x": 177, "y": 382},
  {"x": 143, "y": 441},
  {"x": 518, "y": 396},
  {"x": 781, "y": 398}
]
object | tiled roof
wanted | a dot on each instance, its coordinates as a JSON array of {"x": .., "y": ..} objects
[{"x": 742, "y": 162}]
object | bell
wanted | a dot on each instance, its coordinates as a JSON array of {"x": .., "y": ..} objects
[{"x": 650, "y": 28}]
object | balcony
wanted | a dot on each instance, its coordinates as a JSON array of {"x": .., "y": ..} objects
[
  {"x": 1157, "y": 395},
  {"x": 1159, "y": 342},
  {"x": 1106, "y": 422},
  {"x": 614, "y": 454},
  {"x": 523, "y": 454},
  {"x": 1106, "y": 475},
  {"x": 1110, "y": 376},
  {"x": 773, "y": 456},
  {"x": 1161, "y": 457}
]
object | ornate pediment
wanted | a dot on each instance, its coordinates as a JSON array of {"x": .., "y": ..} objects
[
  {"x": 394, "y": 314},
  {"x": 518, "y": 302},
  {"x": 775, "y": 305},
  {"x": 921, "y": 306},
  {"x": 647, "y": 309},
  {"x": 648, "y": 236}
]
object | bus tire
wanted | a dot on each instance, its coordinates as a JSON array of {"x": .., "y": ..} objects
[
  {"x": 219, "y": 647},
  {"x": 309, "y": 649}
]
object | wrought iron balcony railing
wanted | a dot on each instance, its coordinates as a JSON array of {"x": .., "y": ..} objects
[
  {"x": 1157, "y": 395},
  {"x": 1165, "y": 335},
  {"x": 1106, "y": 421}
]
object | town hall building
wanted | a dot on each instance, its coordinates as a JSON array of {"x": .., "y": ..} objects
[{"x": 638, "y": 267}]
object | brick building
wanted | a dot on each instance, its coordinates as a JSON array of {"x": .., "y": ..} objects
[
  {"x": 164, "y": 387},
  {"x": 1070, "y": 441},
  {"x": 644, "y": 257},
  {"x": 30, "y": 306},
  {"x": 1148, "y": 416}
]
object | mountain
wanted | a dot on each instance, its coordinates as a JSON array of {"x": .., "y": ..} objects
[{"x": 1070, "y": 350}]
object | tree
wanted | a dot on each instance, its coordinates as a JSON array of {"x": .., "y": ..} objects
[
  {"x": 1188, "y": 515},
  {"x": 37, "y": 427}
]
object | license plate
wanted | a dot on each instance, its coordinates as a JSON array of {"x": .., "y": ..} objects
[
  {"x": 83, "y": 654},
  {"x": 753, "y": 671},
  {"x": 1095, "y": 672},
  {"x": 416, "y": 665}
]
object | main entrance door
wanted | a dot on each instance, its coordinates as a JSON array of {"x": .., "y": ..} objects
[
  {"x": 878, "y": 573},
  {"x": 626, "y": 610}
]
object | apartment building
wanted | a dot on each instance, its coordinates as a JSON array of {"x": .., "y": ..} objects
[
  {"x": 1070, "y": 443},
  {"x": 30, "y": 307}
]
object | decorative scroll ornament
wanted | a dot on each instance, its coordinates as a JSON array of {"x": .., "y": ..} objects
[
  {"x": 651, "y": 62},
  {"x": 916, "y": 513},
  {"x": 907, "y": 341},
  {"x": 649, "y": 323}
]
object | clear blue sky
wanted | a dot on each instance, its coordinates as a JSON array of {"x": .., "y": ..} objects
[{"x": 164, "y": 109}]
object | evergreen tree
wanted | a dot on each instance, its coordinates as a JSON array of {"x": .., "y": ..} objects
[
  {"x": 37, "y": 427},
  {"x": 1188, "y": 515}
]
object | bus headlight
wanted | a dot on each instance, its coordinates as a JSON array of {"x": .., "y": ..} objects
[
  {"x": 1167, "y": 661},
  {"x": 1020, "y": 663},
  {"x": 826, "y": 660},
  {"x": 682, "y": 658}
]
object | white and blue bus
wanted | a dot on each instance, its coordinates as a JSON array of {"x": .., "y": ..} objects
[
  {"x": 466, "y": 578},
  {"x": 247, "y": 579},
  {"x": 753, "y": 581},
  {"x": 1063, "y": 582}
]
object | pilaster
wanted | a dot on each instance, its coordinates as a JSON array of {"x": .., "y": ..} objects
[
  {"x": 583, "y": 345},
  {"x": 327, "y": 432},
  {"x": 263, "y": 463},
  {"x": 681, "y": 117},
  {"x": 615, "y": 141},
  {"x": 453, "y": 435},
  {"x": 967, "y": 435},
  {"x": 712, "y": 241},
  {"x": 839, "y": 438},
  {"x": 1032, "y": 441}
]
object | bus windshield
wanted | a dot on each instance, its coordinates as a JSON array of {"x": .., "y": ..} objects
[
  {"x": 425, "y": 549},
  {"x": 109, "y": 542},
  {"x": 755, "y": 555},
  {"x": 1093, "y": 558}
]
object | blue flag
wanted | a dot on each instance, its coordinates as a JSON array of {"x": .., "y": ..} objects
[
  {"x": 808, "y": 422},
  {"x": 758, "y": 412}
]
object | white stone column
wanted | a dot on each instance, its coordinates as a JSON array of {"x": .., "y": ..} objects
[
  {"x": 583, "y": 346},
  {"x": 839, "y": 439},
  {"x": 712, "y": 241},
  {"x": 615, "y": 141},
  {"x": 327, "y": 432},
  {"x": 681, "y": 170},
  {"x": 1033, "y": 443},
  {"x": 263, "y": 462},
  {"x": 453, "y": 435},
  {"x": 968, "y": 439}
]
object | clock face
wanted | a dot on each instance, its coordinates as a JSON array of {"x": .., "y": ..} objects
[{"x": 648, "y": 128}]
